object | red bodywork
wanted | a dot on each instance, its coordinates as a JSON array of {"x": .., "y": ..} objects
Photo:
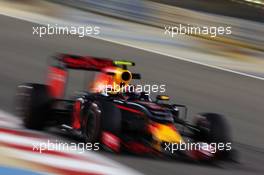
[
  {"x": 130, "y": 109},
  {"x": 58, "y": 75},
  {"x": 57, "y": 78},
  {"x": 86, "y": 63},
  {"x": 111, "y": 141},
  {"x": 76, "y": 116}
]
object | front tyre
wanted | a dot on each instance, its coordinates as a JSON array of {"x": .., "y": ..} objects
[
  {"x": 102, "y": 123},
  {"x": 92, "y": 123},
  {"x": 213, "y": 129}
]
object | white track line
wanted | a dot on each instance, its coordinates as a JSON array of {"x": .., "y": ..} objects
[
  {"x": 87, "y": 161},
  {"x": 133, "y": 46}
]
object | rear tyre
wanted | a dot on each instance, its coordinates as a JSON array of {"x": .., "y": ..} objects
[{"x": 33, "y": 105}]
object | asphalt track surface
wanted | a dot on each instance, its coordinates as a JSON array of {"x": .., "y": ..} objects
[{"x": 24, "y": 57}]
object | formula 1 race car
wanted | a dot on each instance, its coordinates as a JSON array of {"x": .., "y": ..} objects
[{"x": 120, "y": 120}]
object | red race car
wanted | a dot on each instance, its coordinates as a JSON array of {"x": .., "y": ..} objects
[{"x": 121, "y": 120}]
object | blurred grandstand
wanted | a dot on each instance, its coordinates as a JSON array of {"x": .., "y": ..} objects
[
  {"x": 122, "y": 21},
  {"x": 159, "y": 15},
  {"x": 245, "y": 9}
]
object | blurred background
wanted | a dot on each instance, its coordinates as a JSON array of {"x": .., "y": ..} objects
[
  {"x": 134, "y": 29},
  {"x": 141, "y": 23}
]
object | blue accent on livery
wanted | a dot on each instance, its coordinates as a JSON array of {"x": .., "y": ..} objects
[{"x": 17, "y": 171}]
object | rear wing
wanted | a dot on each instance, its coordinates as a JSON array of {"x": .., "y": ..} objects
[
  {"x": 58, "y": 75},
  {"x": 90, "y": 63}
]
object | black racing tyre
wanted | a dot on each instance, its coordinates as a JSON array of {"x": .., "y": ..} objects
[
  {"x": 213, "y": 128},
  {"x": 92, "y": 123},
  {"x": 99, "y": 117},
  {"x": 112, "y": 118},
  {"x": 33, "y": 105}
]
